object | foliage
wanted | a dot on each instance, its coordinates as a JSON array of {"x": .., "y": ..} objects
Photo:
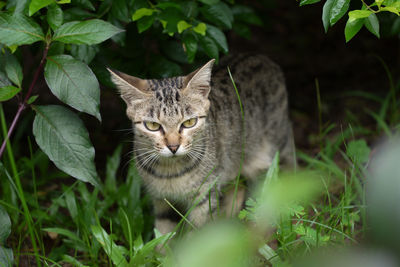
[{"x": 367, "y": 15}]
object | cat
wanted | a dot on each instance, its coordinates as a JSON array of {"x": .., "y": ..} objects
[{"x": 188, "y": 134}]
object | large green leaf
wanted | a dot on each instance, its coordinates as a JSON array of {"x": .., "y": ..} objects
[
  {"x": 74, "y": 83},
  {"x": 8, "y": 92},
  {"x": 112, "y": 250},
  {"x": 4, "y": 80},
  {"x": 190, "y": 43},
  {"x": 85, "y": 32},
  {"x": 218, "y": 36},
  {"x": 352, "y": 28},
  {"x": 210, "y": 47},
  {"x": 60, "y": 133},
  {"x": 338, "y": 9},
  {"x": 19, "y": 30},
  {"x": 372, "y": 24},
  {"x": 36, "y": 5},
  {"x": 13, "y": 69},
  {"x": 326, "y": 13},
  {"x": 55, "y": 16},
  {"x": 219, "y": 14}
]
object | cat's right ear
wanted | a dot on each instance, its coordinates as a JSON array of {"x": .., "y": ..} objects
[{"x": 131, "y": 88}]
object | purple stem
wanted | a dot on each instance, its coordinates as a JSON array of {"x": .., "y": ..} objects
[{"x": 22, "y": 105}]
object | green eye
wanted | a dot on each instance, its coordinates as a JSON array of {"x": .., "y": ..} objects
[
  {"x": 152, "y": 126},
  {"x": 189, "y": 123}
]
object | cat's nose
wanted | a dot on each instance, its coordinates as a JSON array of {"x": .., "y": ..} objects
[{"x": 173, "y": 148}]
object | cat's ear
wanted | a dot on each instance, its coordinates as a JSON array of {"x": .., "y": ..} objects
[
  {"x": 131, "y": 88},
  {"x": 198, "y": 82}
]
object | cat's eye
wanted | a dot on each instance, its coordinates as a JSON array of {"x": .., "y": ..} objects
[
  {"x": 152, "y": 126},
  {"x": 189, "y": 123}
]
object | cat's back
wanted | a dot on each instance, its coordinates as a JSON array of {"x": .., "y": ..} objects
[{"x": 261, "y": 86}]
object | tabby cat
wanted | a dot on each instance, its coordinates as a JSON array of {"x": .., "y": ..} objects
[{"x": 188, "y": 133}]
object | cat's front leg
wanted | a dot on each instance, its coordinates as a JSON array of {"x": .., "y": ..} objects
[
  {"x": 166, "y": 217},
  {"x": 206, "y": 208}
]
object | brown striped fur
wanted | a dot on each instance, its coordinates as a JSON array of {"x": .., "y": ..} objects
[{"x": 207, "y": 157}]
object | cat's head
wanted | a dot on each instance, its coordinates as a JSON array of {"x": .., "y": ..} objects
[{"x": 168, "y": 114}]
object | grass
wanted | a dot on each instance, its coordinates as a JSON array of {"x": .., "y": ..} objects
[{"x": 56, "y": 220}]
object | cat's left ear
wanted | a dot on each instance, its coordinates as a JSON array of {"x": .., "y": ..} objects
[{"x": 198, "y": 82}]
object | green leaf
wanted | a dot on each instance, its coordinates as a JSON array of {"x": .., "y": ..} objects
[
  {"x": 308, "y": 2},
  {"x": 4, "y": 80},
  {"x": 372, "y": 24},
  {"x": 219, "y": 14},
  {"x": 338, "y": 9},
  {"x": 73, "y": 261},
  {"x": 358, "y": 151},
  {"x": 209, "y": 2},
  {"x": 218, "y": 36},
  {"x": 85, "y": 53},
  {"x": 111, "y": 170},
  {"x": 359, "y": 14},
  {"x": 36, "y": 5},
  {"x": 142, "y": 12},
  {"x": 326, "y": 14},
  {"x": 8, "y": 92},
  {"x": 74, "y": 83},
  {"x": 85, "y": 32},
  {"x": 183, "y": 25},
  {"x": 210, "y": 47},
  {"x": 242, "y": 30},
  {"x": 19, "y": 30},
  {"x": 145, "y": 23},
  {"x": 32, "y": 99},
  {"x": 246, "y": 14},
  {"x": 60, "y": 133},
  {"x": 190, "y": 9},
  {"x": 190, "y": 46},
  {"x": 352, "y": 28},
  {"x": 120, "y": 9},
  {"x": 113, "y": 251},
  {"x": 67, "y": 233},
  {"x": 163, "y": 68},
  {"x": 84, "y": 4},
  {"x": 5, "y": 229},
  {"x": 2, "y": 4},
  {"x": 13, "y": 69},
  {"x": 200, "y": 28},
  {"x": 392, "y": 9},
  {"x": 54, "y": 16}
]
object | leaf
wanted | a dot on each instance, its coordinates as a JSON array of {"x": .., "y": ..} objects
[
  {"x": 190, "y": 9},
  {"x": 338, "y": 9},
  {"x": 218, "y": 36},
  {"x": 8, "y": 92},
  {"x": 60, "y": 133},
  {"x": 13, "y": 69},
  {"x": 19, "y": 30},
  {"x": 67, "y": 233},
  {"x": 36, "y": 5},
  {"x": 219, "y": 14},
  {"x": 391, "y": 9},
  {"x": 84, "y": 4},
  {"x": 183, "y": 25},
  {"x": 326, "y": 13},
  {"x": 358, "y": 151},
  {"x": 142, "y": 12},
  {"x": 32, "y": 99},
  {"x": 200, "y": 28},
  {"x": 242, "y": 30},
  {"x": 85, "y": 53},
  {"x": 120, "y": 9},
  {"x": 5, "y": 229},
  {"x": 190, "y": 46},
  {"x": 163, "y": 68},
  {"x": 74, "y": 83},
  {"x": 308, "y": 2},
  {"x": 372, "y": 24},
  {"x": 145, "y": 23},
  {"x": 85, "y": 32},
  {"x": 352, "y": 28},
  {"x": 209, "y": 2},
  {"x": 73, "y": 261},
  {"x": 54, "y": 16},
  {"x": 359, "y": 14},
  {"x": 111, "y": 170},
  {"x": 112, "y": 250},
  {"x": 4, "y": 80},
  {"x": 210, "y": 47},
  {"x": 246, "y": 14}
]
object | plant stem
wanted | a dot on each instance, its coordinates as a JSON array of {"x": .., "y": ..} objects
[{"x": 22, "y": 105}]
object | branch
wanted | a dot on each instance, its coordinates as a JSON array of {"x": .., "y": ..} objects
[{"x": 23, "y": 104}]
